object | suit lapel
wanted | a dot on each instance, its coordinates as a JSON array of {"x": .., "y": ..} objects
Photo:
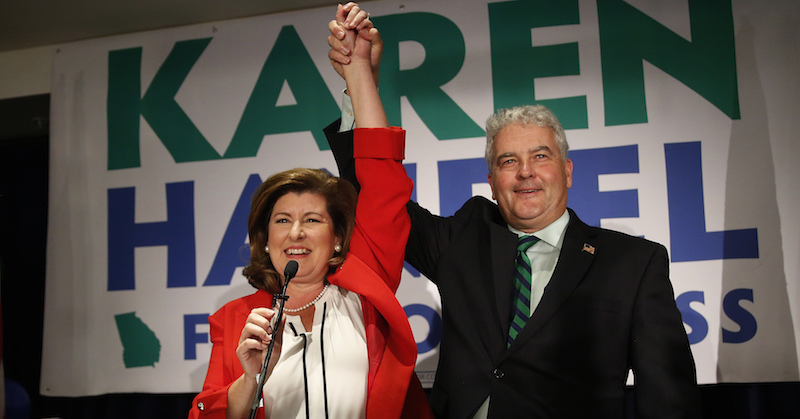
[
  {"x": 573, "y": 263},
  {"x": 503, "y": 245}
]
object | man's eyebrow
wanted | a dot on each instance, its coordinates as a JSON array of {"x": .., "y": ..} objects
[{"x": 532, "y": 150}]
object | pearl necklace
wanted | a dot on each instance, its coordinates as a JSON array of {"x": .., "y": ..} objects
[{"x": 299, "y": 309}]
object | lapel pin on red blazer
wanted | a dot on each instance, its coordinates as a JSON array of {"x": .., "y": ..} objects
[{"x": 588, "y": 248}]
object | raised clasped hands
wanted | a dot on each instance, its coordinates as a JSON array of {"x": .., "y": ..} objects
[{"x": 354, "y": 37}]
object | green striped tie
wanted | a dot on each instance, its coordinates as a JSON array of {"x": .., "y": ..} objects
[{"x": 522, "y": 283}]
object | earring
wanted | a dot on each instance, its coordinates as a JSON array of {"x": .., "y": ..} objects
[
  {"x": 266, "y": 248},
  {"x": 337, "y": 248}
]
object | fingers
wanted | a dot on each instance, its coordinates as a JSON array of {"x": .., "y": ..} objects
[
  {"x": 338, "y": 32},
  {"x": 341, "y": 14},
  {"x": 351, "y": 23},
  {"x": 338, "y": 59},
  {"x": 339, "y": 45},
  {"x": 258, "y": 326},
  {"x": 255, "y": 339},
  {"x": 376, "y": 51},
  {"x": 374, "y": 38},
  {"x": 354, "y": 17},
  {"x": 356, "y": 20}
]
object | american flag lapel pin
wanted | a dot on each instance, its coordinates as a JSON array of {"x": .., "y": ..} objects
[{"x": 588, "y": 248}]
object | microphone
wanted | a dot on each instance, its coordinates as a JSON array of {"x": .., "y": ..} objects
[{"x": 288, "y": 273}]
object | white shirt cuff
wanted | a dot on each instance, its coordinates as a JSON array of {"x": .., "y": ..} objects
[{"x": 348, "y": 119}]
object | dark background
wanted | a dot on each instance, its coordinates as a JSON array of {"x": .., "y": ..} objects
[{"x": 24, "y": 156}]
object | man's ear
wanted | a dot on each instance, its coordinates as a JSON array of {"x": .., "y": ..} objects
[
  {"x": 491, "y": 185},
  {"x": 568, "y": 172}
]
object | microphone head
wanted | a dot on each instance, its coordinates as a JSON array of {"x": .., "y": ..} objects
[{"x": 290, "y": 270}]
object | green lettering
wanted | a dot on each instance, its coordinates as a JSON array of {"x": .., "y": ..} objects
[
  {"x": 707, "y": 64},
  {"x": 158, "y": 107},
  {"x": 516, "y": 64},
  {"x": 314, "y": 109},
  {"x": 444, "y": 56},
  {"x": 122, "y": 108}
]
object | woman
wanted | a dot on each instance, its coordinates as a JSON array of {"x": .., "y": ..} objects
[{"x": 345, "y": 349}]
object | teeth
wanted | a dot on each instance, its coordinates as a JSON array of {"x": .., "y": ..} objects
[{"x": 297, "y": 251}]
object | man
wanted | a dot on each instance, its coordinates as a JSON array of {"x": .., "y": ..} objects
[{"x": 600, "y": 302}]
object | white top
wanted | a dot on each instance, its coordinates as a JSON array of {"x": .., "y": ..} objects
[{"x": 345, "y": 367}]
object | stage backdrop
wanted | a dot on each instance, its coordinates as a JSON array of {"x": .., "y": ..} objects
[{"x": 681, "y": 115}]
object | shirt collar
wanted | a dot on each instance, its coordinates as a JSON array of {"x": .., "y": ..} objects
[{"x": 553, "y": 234}]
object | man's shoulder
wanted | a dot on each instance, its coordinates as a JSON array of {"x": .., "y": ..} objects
[
  {"x": 479, "y": 208},
  {"x": 479, "y": 203},
  {"x": 608, "y": 235}
]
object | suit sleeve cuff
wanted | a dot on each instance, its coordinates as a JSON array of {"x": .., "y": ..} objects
[{"x": 379, "y": 143}]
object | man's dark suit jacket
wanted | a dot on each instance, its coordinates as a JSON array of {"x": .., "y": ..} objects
[{"x": 609, "y": 307}]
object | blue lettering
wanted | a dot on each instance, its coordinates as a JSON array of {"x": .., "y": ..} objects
[
  {"x": 730, "y": 305},
  {"x": 233, "y": 252},
  {"x": 742, "y": 317},
  {"x": 411, "y": 171},
  {"x": 190, "y": 336},
  {"x": 434, "y": 326},
  {"x": 687, "y": 225},
  {"x": 456, "y": 178},
  {"x": 177, "y": 233},
  {"x": 585, "y": 196},
  {"x": 692, "y": 318}
]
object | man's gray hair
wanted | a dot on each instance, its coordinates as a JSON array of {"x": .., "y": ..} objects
[{"x": 524, "y": 115}]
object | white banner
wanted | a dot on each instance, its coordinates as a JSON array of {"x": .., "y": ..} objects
[{"x": 681, "y": 116}]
